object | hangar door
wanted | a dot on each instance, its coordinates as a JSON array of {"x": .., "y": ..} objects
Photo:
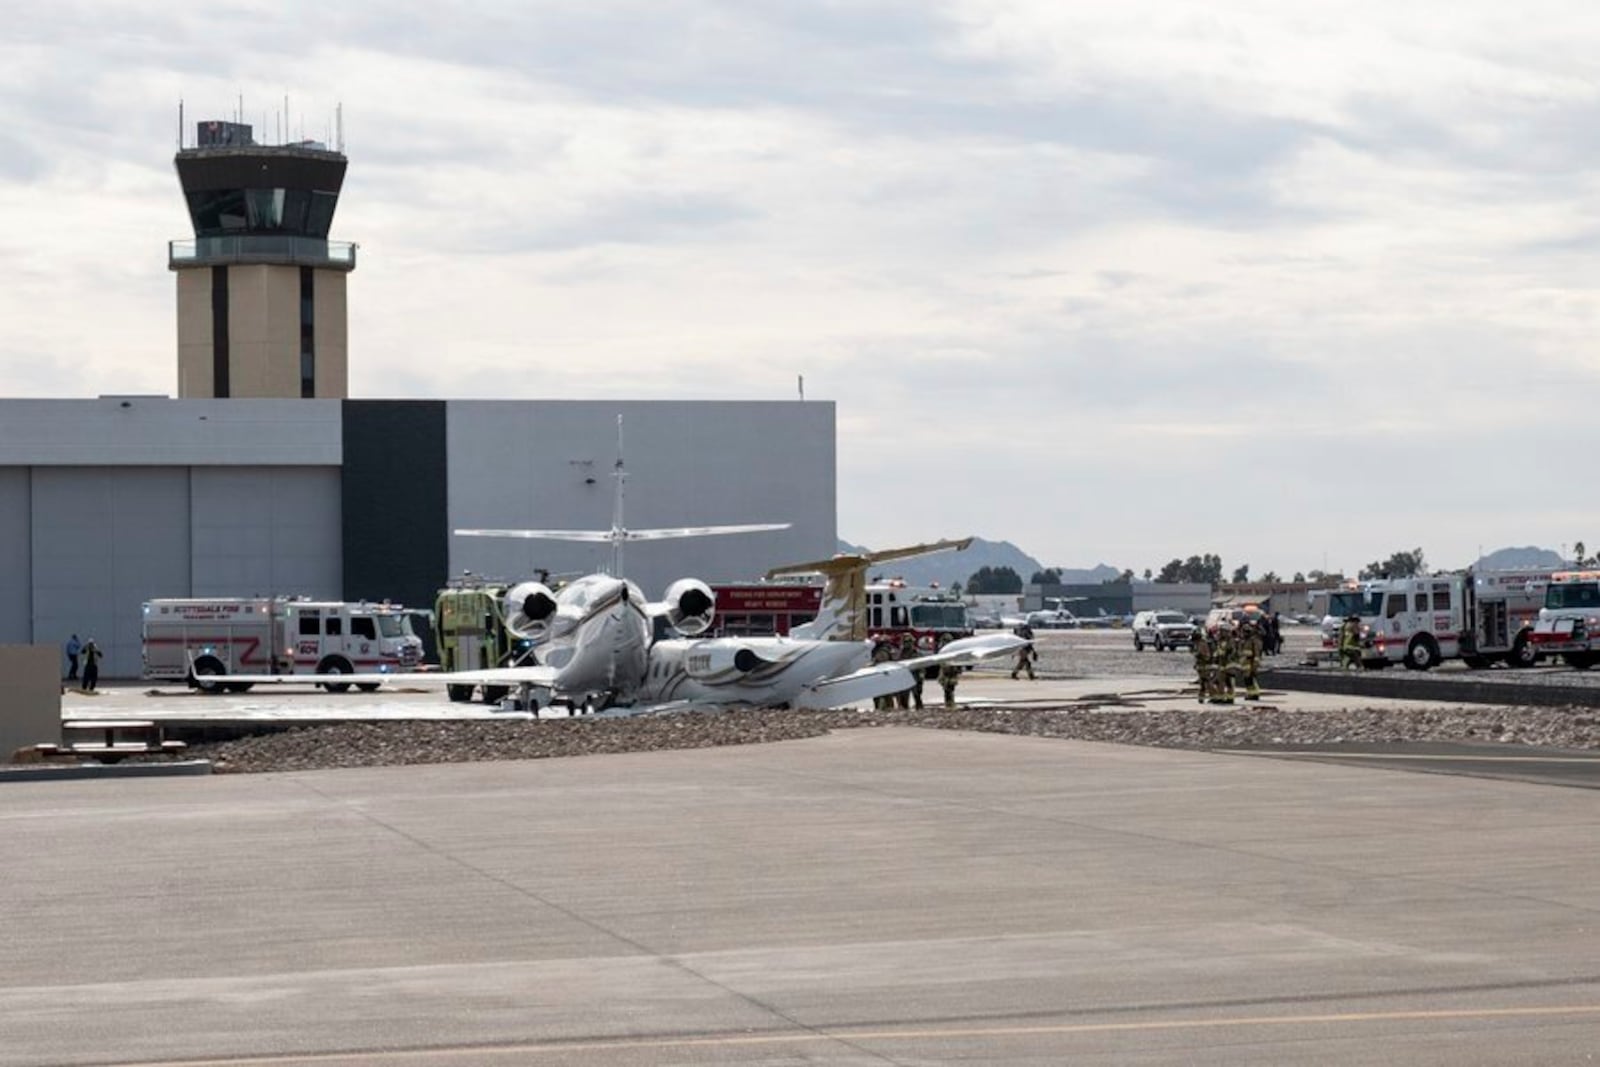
[{"x": 105, "y": 539}]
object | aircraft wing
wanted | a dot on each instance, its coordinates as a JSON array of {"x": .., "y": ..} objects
[
  {"x": 878, "y": 680},
  {"x": 540, "y": 535},
  {"x": 532, "y": 675},
  {"x": 699, "y": 531},
  {"x": 968, "y": 650},
  {"x": 607, "y": 536}
]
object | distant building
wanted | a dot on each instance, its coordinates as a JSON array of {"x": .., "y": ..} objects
[
  {"x": 110, "y": 502},
  {"x": 1117, "y": 598},
  {"x": 1291, "y": 598}
]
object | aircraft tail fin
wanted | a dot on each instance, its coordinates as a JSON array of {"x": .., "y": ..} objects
[{"x": 843, "y": 615}]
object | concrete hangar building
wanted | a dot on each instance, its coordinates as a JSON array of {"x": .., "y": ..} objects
[{"x": 262, "y": 476}]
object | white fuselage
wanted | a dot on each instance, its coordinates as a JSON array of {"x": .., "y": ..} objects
[
  {"x": 599, "y": 639},
  {"x": 761, "y": 671}
]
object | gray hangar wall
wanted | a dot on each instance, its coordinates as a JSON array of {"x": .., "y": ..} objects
[
  {"x": 549, "y": 464},
  {"x": 106, "y": 503}
]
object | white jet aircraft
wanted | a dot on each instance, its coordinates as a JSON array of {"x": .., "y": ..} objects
[{"x": 593, "y": 637}]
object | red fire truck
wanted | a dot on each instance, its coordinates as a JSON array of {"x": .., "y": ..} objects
[{"x": 757, "y": 609}]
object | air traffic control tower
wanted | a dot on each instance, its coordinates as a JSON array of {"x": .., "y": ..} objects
[{"x": 261, "y": 289}]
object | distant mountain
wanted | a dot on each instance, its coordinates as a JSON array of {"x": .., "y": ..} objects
[
  {"x": 947, "y": 568},
  {"x": 1529, "y": 557}
]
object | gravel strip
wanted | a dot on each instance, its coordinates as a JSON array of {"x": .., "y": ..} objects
[{"x": 396, "y": 743}]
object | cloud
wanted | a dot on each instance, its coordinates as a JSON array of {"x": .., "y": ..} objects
[{"x": 1112, "y": 276}]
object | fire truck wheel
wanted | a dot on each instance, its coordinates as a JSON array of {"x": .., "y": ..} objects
[
  {"x": 204, "y": 669},
  {"x": 239, "y": 687},
  {"x": 458, "y": 693},
  {"x": 1477, "y": 663},
  {"x": 494, "y": 694},
  {"x": 1579, "y": 661},
  {"x": 368, "y": 687},
  {"x": 1422, "y": 654},
  {"x": 334, "y": 666}
]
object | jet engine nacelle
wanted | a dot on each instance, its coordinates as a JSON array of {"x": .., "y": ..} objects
[
  {"x": 529, "y": 608},
  {"x": 690, "y": 606},
  {"x": 715, "y": 660}
]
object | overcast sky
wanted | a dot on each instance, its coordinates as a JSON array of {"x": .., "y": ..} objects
[{"x": 1301, "y": 284}]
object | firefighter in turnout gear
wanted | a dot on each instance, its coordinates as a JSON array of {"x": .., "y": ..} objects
[
  {"x": 1025, "y": 655},
  {"x": 880, "y": 654},
  {"x": 1350, "y": 643},
  {"x": 1224, "y": 663},
  {"x": 910, "y": 698},
  {"x": 949, "y": 675},
  {"x": 1202, "y": 661},
  {"x": 1251, "y": 643}
]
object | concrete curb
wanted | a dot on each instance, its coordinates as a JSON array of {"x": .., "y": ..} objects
[
  {"x": 61, "y": 772},
  {"x": 1412, "y": 686}
]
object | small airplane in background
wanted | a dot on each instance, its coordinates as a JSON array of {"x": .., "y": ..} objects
[{"x": 1057, "y": 618}]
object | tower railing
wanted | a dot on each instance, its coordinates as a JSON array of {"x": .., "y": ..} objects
[{"x": 261, "y": 248}]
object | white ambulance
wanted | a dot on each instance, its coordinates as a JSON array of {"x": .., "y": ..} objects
[{"x": 191, "y": 640}]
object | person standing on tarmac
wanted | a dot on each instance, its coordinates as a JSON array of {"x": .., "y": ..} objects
[
  {"x": 911, "y": 698},
  {"x": 880, "y": 654},
  {"x": 91, "y": 665},
  {"x": 1203, "y": 651},
  {"x": 1350, "y": 643},
  {"x": 1250, "y": 644},
  {"x": 949, "y": 675},
  {"x": 1223, "y": 665},
  {"x": 1025, "y": 655}
]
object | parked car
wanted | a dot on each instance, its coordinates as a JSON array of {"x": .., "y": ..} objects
[{"x": 1162, "y": 630}]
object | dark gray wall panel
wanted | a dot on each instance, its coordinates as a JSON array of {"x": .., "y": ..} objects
[{"x": 395, "y": 492}]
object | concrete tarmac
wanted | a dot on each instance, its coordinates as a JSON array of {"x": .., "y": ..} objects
[{"x": 875, "y": 896}]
